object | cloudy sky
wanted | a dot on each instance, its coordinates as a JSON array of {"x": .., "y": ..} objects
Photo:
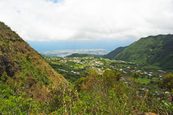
[{"x": 53, "y": 20}]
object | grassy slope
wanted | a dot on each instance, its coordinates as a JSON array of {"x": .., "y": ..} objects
[
  {"x": 23, "y": 69},
  {"x": 115, "y": 52},
  {"x": 153, "y": 50}
]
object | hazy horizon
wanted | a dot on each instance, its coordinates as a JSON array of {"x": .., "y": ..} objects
[{"x": 109, "y": 45}]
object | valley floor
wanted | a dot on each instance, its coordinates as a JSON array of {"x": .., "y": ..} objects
[{"x": 115, "y": 87}]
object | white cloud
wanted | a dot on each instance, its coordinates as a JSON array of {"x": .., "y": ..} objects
[{"x": 87, "y": 19}]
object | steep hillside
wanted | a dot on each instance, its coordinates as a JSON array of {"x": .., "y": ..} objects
[
  {"x": 113, "y": 53},
  {"x": 23, "y": 71},
  {"x": 152, "y": 50}
]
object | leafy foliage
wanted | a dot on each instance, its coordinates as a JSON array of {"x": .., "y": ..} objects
[
  {"x": 107, "y": 94},
  {"x": 167, "y": 82}
]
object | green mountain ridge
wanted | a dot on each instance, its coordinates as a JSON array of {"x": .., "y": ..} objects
[
  {"x": 83, "y": 55},
  {"x": 112, "y": 54},
  {"x": 152, "y": 50}
]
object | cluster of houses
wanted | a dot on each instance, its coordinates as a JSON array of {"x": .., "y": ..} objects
[
  {"x": 75, "y": 66},
  {"x": 101, "y": 64}
]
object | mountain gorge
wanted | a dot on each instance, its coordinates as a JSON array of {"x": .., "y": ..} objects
[{"x": 153, "y": 50}]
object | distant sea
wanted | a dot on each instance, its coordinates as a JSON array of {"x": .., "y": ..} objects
[
  {"x": 64, "y": 53},
  {"x": 60, "y": 45}
]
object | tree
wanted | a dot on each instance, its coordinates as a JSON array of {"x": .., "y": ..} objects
[{"x": 167, "y": 82}]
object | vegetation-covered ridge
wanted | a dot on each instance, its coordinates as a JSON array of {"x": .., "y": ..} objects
[
  {"x": 24, "y": 74},
  {"x": 112, "y": 54},
  {"x": 82, "y": 55},
  {"x": 150, "y": 51}
]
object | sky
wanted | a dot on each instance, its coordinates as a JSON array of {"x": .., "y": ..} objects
[
  {"x": 108, "y": 45},
  {"x": 41, "y": 21}
]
